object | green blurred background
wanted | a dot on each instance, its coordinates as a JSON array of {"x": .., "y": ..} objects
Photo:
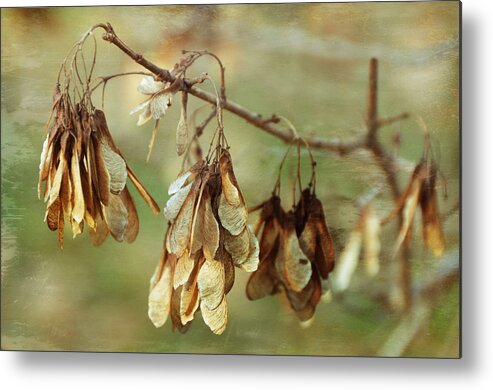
[{"x": 308, "y": 62}]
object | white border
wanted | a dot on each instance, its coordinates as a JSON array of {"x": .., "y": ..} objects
[{"x": 474, "y": 371}]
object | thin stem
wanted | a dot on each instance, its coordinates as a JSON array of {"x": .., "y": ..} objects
[
  {"x": 153, "y": 138},
  {"x": 221, "y": 67},
  {"x": 372, "y": 114},
  {"x": 200, "y": 128},
  {"x": 277, "y": 185},
  {"x": 105, "y": 79},
  {"x": 299, "y": 167},
  {"x": 255, "y": 119},
  {"x": 93, "y": 64}
]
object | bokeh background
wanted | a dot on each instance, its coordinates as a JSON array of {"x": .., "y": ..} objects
[{"x": 308, "y": 62}]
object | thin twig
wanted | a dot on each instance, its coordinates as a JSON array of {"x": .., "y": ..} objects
[{"x": 257, "y": 120}]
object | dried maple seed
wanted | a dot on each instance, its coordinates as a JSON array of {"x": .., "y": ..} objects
[
  {"x": 296, "y": 254},
  {"x": 200, "y": 240},
  {"x": 371, "y": 240},
  {"x": 421, "y": 190},
  {"x": 86, "y": 176}
]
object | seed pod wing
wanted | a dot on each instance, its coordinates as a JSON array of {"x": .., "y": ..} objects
[
  {"x": 176, "y": 201},
  {"x": 432, "y": 226},
  {"x": 176, "y": 185},
  {"x": 211, "y": 281},
  {"x": 210, "y": 232},
  {"x": 217, "y": 318},
  {"x": 292, "y": 263},
  {"x": 179, "y": 237},
  {"x": 190, "y": 301},
  {"x": 116, "y": 217},
  {"x": 132, "y": 229},
  {"x": 99, "y": 232},
  {"x": 261, "y": 282},
  {"x": 232, "y": 210},
  {"x": 116, "y": 167},
  {"x": 160, "y": 295},
  {"x": 175, "y": 311},
  {"x": 79, "y": 208},
  {"x": 184, "y": 267}
]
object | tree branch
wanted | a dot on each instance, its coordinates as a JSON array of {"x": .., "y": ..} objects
[
  {"x": 267, "y": 124},
  {"x": 401, "y": 294}
]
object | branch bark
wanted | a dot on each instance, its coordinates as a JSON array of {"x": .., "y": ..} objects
[{"x": 266, "y": 124}]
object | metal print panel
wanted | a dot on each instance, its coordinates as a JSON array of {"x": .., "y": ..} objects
[{"x": 279, "y": 179}]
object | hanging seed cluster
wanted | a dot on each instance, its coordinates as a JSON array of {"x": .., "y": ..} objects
[
  {"x": 296, "y": 249},
  {"x": 421, "y": 191},
  {"x": 85, "y": 176},
  {"x": 207, "y": 237},
  {"x": 296, "y": 254}
]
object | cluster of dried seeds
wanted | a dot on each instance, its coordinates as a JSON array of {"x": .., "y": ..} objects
[
  {"x": 207, "y": 237},
  {"x": 421, "y": 190},
  {"x": 296, "y": 254},
  {"x": 86, "y": 176},
  {"x": 296, "y": 249}
]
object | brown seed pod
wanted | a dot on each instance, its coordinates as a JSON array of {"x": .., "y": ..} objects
[
  {"x": 421, "y": 191},
  {"x": 85, "y": 176},
  {"x": 208, "y": 236},
  {"x": 296, "y": 253}
]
